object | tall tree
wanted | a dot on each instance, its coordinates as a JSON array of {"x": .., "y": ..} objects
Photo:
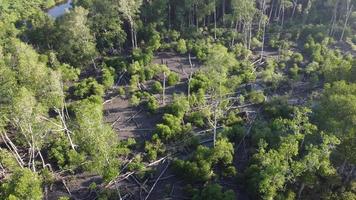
[
  {"x": 130, "y": 9},
  {"x": 74, "y": 43}
]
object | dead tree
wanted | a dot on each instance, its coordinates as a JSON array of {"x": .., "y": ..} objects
[
  {"x": 164, "y": 89},
  {"x": 159, "y": 177},
  {"x": 348, "y": 14}
]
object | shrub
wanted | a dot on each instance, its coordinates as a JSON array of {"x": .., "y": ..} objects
[
  {"x": 255, "y": 43},
  {"x": 134, "y": 68},
  {"x": 108, "y": 77},
  {"x": 152, "y": 104},
  {"x": 233, "y": 118},
  {"x": 294, "y": 72},
  {"x": 156, "y": 87},
  {"x": 121, "y": 91},
  {"x": 69, "y": 73},
  {"x": 172, "y": 79},
  {"x": 179, "y": 106},
  {"x": 134, "y": 100},
  {"x": 88, "y": 87},
  {"x": 256, "y": 97},
  {"x": 154, "y": 42},
  {"x": 174, "y": 35},
  {"x": 134, "y": 81},
  {"x": 214, "y": 192},
  {"x": 149, "y": 73},
  {"x": 197, "y": 119},
  {"x": 154, "y": 148},
  {"x": 181, "y": 46},
  {"x": 23, "y": 184},
  {"x": 297, "y": 58},
  {"x": 241, "y": 51}
]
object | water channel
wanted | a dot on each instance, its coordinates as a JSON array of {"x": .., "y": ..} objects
[{"x": 60, "y": 9}]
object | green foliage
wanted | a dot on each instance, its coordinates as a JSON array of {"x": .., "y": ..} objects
[
  {"x": 338, "y": 102},
  {"x": 172, "y": 79},
  {"x": 154, "y": 148},
  {"x": 74, "y": 42},
  {"x": 233, "y": 118},
  {"x": 171, "y": 128},
  {"x": 256, "y": 97},
  {"x": 270, "y": 171},
  {"x": 154, "y": 41},
  {"x": 8, "y": 161},
  {"x": 23, "y": 184},
  {"x": 121, "y": 91},
  {"x": 88, "y": 87},
  {"x": 96, "y": 140},
  {"x": 134, "y": 68},
  {"x": 152, "y": 104},
  {"x": 241, "y": 51},
  {"x": 106, "y": 24},
  {"x": 134, "y": 81},
  {"x": 197, "y": 118},
  {"x": 270, "y": 75},
  {"x": 297, "y": 58},
  {"x": 124, "y": 147},
  {"x": 108, "y": 77},
  {"x": 135, "y": 100},
  {"x": 200, "y": 167},
  {"x": 181, "y": 46},
  {"x": 278, "y": 107},
  {"x": 214, "y": 192},
  {"x": 294, "y": 72},
  {"x": 144, "y": 57},
  {"x": 179, "y": 106},
  {"x": 156, "y": 87}
]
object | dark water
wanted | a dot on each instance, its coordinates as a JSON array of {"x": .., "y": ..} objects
[{"x": 60, "y": 9}]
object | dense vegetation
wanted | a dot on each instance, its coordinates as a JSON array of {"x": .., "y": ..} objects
[{"x": 267, "y": 110}]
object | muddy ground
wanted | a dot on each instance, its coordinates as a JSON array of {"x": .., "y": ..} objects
[{"x": 138, "y": 123}]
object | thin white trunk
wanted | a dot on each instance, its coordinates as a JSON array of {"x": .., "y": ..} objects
[
  {"x": 301, "y": 190},
  {"x": 215, "y": 23},
  {"x": 348, "y": 14},
  {"x": 215, "y": 125},
  {"x": 295, "y": 4},
  {"x": 12, "y": 148},
  {"x": 164, "y": 89},
  {"x": 263, "y": 40}
]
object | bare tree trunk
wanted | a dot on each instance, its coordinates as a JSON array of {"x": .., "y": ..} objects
[
  {"x": 245, "y": 34},
  {"x": 278, "y": 14},
  {"x": 342, "y": 168},
  {"x": 348, "y": 14},
  {"x": 190, "y": 18},
  {"x": 164, "y": 89},
  {"x": 263, "y": 40},
  {"x": 215, "y": 124},
  {"x": 196, "y": 18},
  {"x": 191, "y": 74},
  {"x": 223, "y": 11},
  {"x": 295, "y": 4},
  {"x": 215, "y": 23},
  {"x": 270, "y": 12},
  {"x": 283, "y": 9},
  {"x": 250, "y": 35},
  {"x": 301, "y": 190},
  {"x": 333, "y": 19},
  {"x": 132, "y": 36},
  {"x": 350, "y": 174},
  {"x": 169, "y": 16},
  {"x": 12, "y": 148},
  {"x": 33, "y": 153},
  {"x": 64, "y": 124}
]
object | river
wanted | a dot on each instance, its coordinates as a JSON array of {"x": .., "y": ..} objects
[{"x": 60, "y": 9}]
